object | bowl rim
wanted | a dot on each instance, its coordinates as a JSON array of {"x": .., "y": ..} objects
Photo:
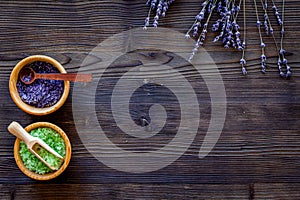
[
  {"x": 15, "y": 94},
  {"x": 51, "y": 175}
]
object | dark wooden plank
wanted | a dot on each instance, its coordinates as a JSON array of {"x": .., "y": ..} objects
[
  {"x": 276, "y": 191},
  {"x": 124, "y": 191},
  {"x": 151, "y": 191}
]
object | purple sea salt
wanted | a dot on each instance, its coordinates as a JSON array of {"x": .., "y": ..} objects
[{"x": 41, "y": 93}]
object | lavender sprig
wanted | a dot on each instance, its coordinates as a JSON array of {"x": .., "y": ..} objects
[
  {"x": 282, "y": 51},
  {"x": 198, "y": 19},
  {"x": 271, "y": 31},
  {"x": 227, "y": 27},
  {"x": 276, "y": 13},
  {"x": 160, "y": 7},
  {"x": 227, "y": 24},
  {"x": 282, "y": 61},
  {"x": 243, "y": 60},
  {"x": 262, "y": 44},
  {"x": 266, "y": 17},
  {"x": 201, "y": 38}
]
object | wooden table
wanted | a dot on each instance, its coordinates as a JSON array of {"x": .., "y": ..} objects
[{"x": 256, "y": 157}]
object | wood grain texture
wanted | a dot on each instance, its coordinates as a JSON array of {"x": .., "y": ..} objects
[{"x": 257, "y": 155}]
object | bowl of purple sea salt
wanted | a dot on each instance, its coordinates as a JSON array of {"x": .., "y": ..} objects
[{"x": 43, "y": 96}]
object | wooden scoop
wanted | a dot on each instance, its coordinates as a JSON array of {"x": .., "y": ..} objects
[
  {"x": 17, "y": 130},
  {"x": 28, "y": 76}
]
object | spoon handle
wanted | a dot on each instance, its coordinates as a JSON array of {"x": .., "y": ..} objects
[
  {"x": 66, "y": 77},
  {"x": 17, "y": 130}
]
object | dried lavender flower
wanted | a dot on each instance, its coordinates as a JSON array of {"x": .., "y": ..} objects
[
  {"x": 41, "y": 93},
  {"x": 281, "y": 73},
  {"x": 276, "y": 13},
  {"x": 227, "y": 28},
  {"x": 160, "y": 8}
]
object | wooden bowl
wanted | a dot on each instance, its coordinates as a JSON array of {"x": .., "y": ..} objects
[
  {"x": 48, "y": 176},
  {"x": 15, "y": 94}
]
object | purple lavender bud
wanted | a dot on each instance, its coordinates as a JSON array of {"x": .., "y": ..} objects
[
  {"x": 280, "y": 68},
  {"x": 221, "y": 34},
  {"x": 258, "y": 23},
  {"x": 281, "y": 74},
  {"x": 224, "y": 40},
  {"x": 288, "y": 74},
  {"x": 147, "y": 21},
  {"x": 214, "y": 28},
  {"x": 266, "y": 16},
  {"x": 282, "y": 31},
  {"x": 191, "y": 56},
  {"x": 201, "y": 14},
  {"x": 271, "y": 31},
  {"x": 288, "y": 71},
  {"x": 153, "y": 4},
  {"x": 279, "y": 22},
  {"x": 284, "y": 61},
  {"x": 263, "y": 68},
  {"x": 265, "y": 5},
  {"x": 155, "y": 23},
  {"x": 244, "y": 71},
  {"x": 266, "y": 27},
  {"x": 227, "y": 44},
  {"x": 195, "y": 31},
  {"x": 187, "y": 36},
  {"x": 166, "y": 6},
  {"x": 242, "y": 61},
  {"x": 217, "y": 38},
  {"x": 164, "y": 10},
  {"x": 234, "y": 45},
  {"x": 202, "y": 37},
  {"x": 262, "y": 45},
  {"x": 263, "y": 58},
  {"x": 237, "y": 34},
  {"x": 279, "y": 63},
  {"x": 236, "y": 27},
  {"x": 216, "y": 25},
  {"x": 219, "y": 7},
  {"x": 240, "y": 48},
  {"x": 244, "y": 44},
  {"x": 199, "y": 17},
  {"x": 160, "y": 4},
  {"x": 274, "y": 7},
  {"x": 282, "y": 52},
  {"x": 232, "y": 10}
]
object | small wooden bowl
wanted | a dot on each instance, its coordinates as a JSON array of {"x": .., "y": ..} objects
[
  {"x": 48, "y": 176},
  {"x": 15, "y": 94}
]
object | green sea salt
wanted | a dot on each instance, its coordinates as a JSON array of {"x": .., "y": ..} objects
[{"x": 54, "y": 140}]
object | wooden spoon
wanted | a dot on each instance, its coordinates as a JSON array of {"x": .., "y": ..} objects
[
  {"x": 17, "y": 130},
  {"x": 28, "y": 76}
]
